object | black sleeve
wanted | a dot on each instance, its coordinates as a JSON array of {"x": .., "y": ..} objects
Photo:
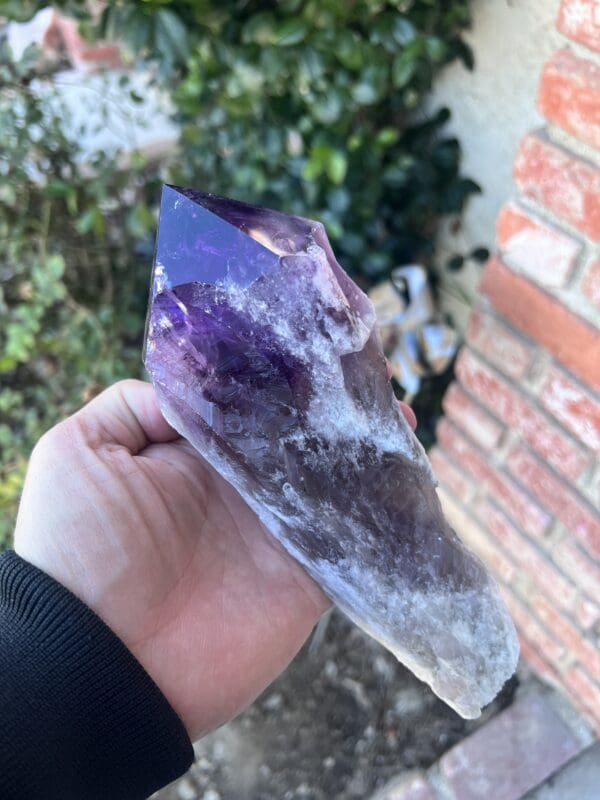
[{"x": 80, "y": 719}]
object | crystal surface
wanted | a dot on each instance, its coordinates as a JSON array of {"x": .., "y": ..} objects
[{"x": 266, "y": 357}]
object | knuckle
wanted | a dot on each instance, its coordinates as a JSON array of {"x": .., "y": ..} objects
[
  {"x": 61, "y": 436},
  {"x": 125, "y": 386}
]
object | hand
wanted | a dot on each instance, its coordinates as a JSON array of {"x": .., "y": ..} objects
[{"x": 127, "y": 515}]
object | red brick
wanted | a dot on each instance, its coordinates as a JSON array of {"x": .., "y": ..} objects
[
  {"x": 587, "y": 614},
  {"x": 544, "y": 253},
  {"x": 534, "y": 563},
  {"x": 573, "y": 406},
  {"x": 481, "y": 426},
  {"x": 496, "y": 561},
  {"x": 579, "y": 567},
  {"x": 579, "y": 647},
  {"x": 501, "y": 347},
  {"x": 475, "y": 536},
  {"x": 558, "y": 498},
  {"x": 518, "y": 505},
  {"x": 570, "y": 96},
  {"x": 536, "y": 661},
  {"x": 569, "y": 338},
  {"x": 526, "y": 623},
  {"x": 585, "y": 689},
  {"x": 569, "y": 187},
  {"x": 512, "y": 753},
  {"x": 591, "y": 283},
  {"x": 580, "y": 20},
  {"x": 450, "y": 476},
  {"x": 518, "y": 412}
]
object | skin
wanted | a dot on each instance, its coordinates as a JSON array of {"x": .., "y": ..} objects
[{"x": 123, "y": 512}]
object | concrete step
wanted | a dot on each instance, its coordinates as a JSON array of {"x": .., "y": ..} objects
[
  {"x": 579, "y": 779},
  {"x": 512, "y": 754}
]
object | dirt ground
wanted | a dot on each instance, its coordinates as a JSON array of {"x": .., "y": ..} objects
[{"x": 343, "y": 719}]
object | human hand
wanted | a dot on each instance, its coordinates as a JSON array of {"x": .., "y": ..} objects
[{"x": 128, "y": 516}]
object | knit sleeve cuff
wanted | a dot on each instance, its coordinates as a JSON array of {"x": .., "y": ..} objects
[{"x": 80, "y": 716}]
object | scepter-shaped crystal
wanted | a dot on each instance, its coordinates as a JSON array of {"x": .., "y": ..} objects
[{"x": 266, "y": 357}]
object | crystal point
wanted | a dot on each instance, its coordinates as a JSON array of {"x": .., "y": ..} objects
[{"x": 266, "y": 357}]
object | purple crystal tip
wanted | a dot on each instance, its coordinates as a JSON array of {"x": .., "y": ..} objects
[{"x": 266, "y": 357}]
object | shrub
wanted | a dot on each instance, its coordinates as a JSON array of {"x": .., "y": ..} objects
[
  {"x": 312, "y": 107},
  {"x": 73, "y": 272}
]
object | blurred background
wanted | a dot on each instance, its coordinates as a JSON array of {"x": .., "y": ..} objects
[{"x": 426, "y": 135}]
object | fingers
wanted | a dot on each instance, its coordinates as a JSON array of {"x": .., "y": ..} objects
[
  {"x": 127, "y": 415},
  {"x": 409, "y": 414}
]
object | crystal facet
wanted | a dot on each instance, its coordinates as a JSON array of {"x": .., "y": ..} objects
[{"x": 266, "y": 357}]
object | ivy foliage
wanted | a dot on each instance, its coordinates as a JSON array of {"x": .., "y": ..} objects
[
  {"x": 313, "y": 107},
  {"x": 316, "y": 108},
  {"x": 75, "y": 246}
]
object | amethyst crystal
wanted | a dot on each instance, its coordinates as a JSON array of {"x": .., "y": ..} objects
[{"x": 266, "y": 357}]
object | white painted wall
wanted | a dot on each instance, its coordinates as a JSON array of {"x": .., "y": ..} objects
[{"x": 492, "y": 108}]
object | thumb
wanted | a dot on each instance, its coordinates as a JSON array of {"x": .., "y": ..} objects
[{"x": 126, "y": 414}]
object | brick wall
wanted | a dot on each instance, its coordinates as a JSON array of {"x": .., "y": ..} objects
[{"x": 517, "y": 451}]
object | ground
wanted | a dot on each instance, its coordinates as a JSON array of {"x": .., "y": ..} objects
[{"x": 343, "y": 719}]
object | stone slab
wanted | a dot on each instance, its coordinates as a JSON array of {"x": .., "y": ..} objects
[
  {"x": 577, "y": 780},
  {"x": 515, "y": 752}
]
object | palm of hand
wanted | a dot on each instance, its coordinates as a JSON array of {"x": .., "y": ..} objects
[{"x": 172, "y": 559}]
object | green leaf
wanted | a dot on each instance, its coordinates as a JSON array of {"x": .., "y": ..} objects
[
  {"x": 354, "y": 142},
  {"x": 91, "y": 220},
  {"x": 311, "y": 170},
  {"x": 328, "y": 108},
  {"x": 171, "y": 36},
  {"x": 348, "y": 50},
  {"x": 435, "y": 48},
  {"x": 55, "y": 267},
  {"x": 57, "y": 188},
  {"x": 403, "y": 30},
  {"x": 140, "y": 220},
  {"x": 136, "y": 32},
  {"x": 396, "y": 176},
  {"x": 7, "y": 364},
  {"x": 337, "y": 166},
  {"x": 20, "y": 340},
  {"x": 387, "y": 137},
  {"x": 446, "y": 155},
  {"x": 469, "y": 186},
  {"x": 364, "y": 93},
  {"x": 19, "y": 10},
  {"x": 259, "y": 29},
  {"x": 464, "y": 52},
  {"x": 372, "y": 83},
  {"x": 8, "y": 194},
  {"x": 292, "y": 31},
  {"x": 403, "y": 69}
]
